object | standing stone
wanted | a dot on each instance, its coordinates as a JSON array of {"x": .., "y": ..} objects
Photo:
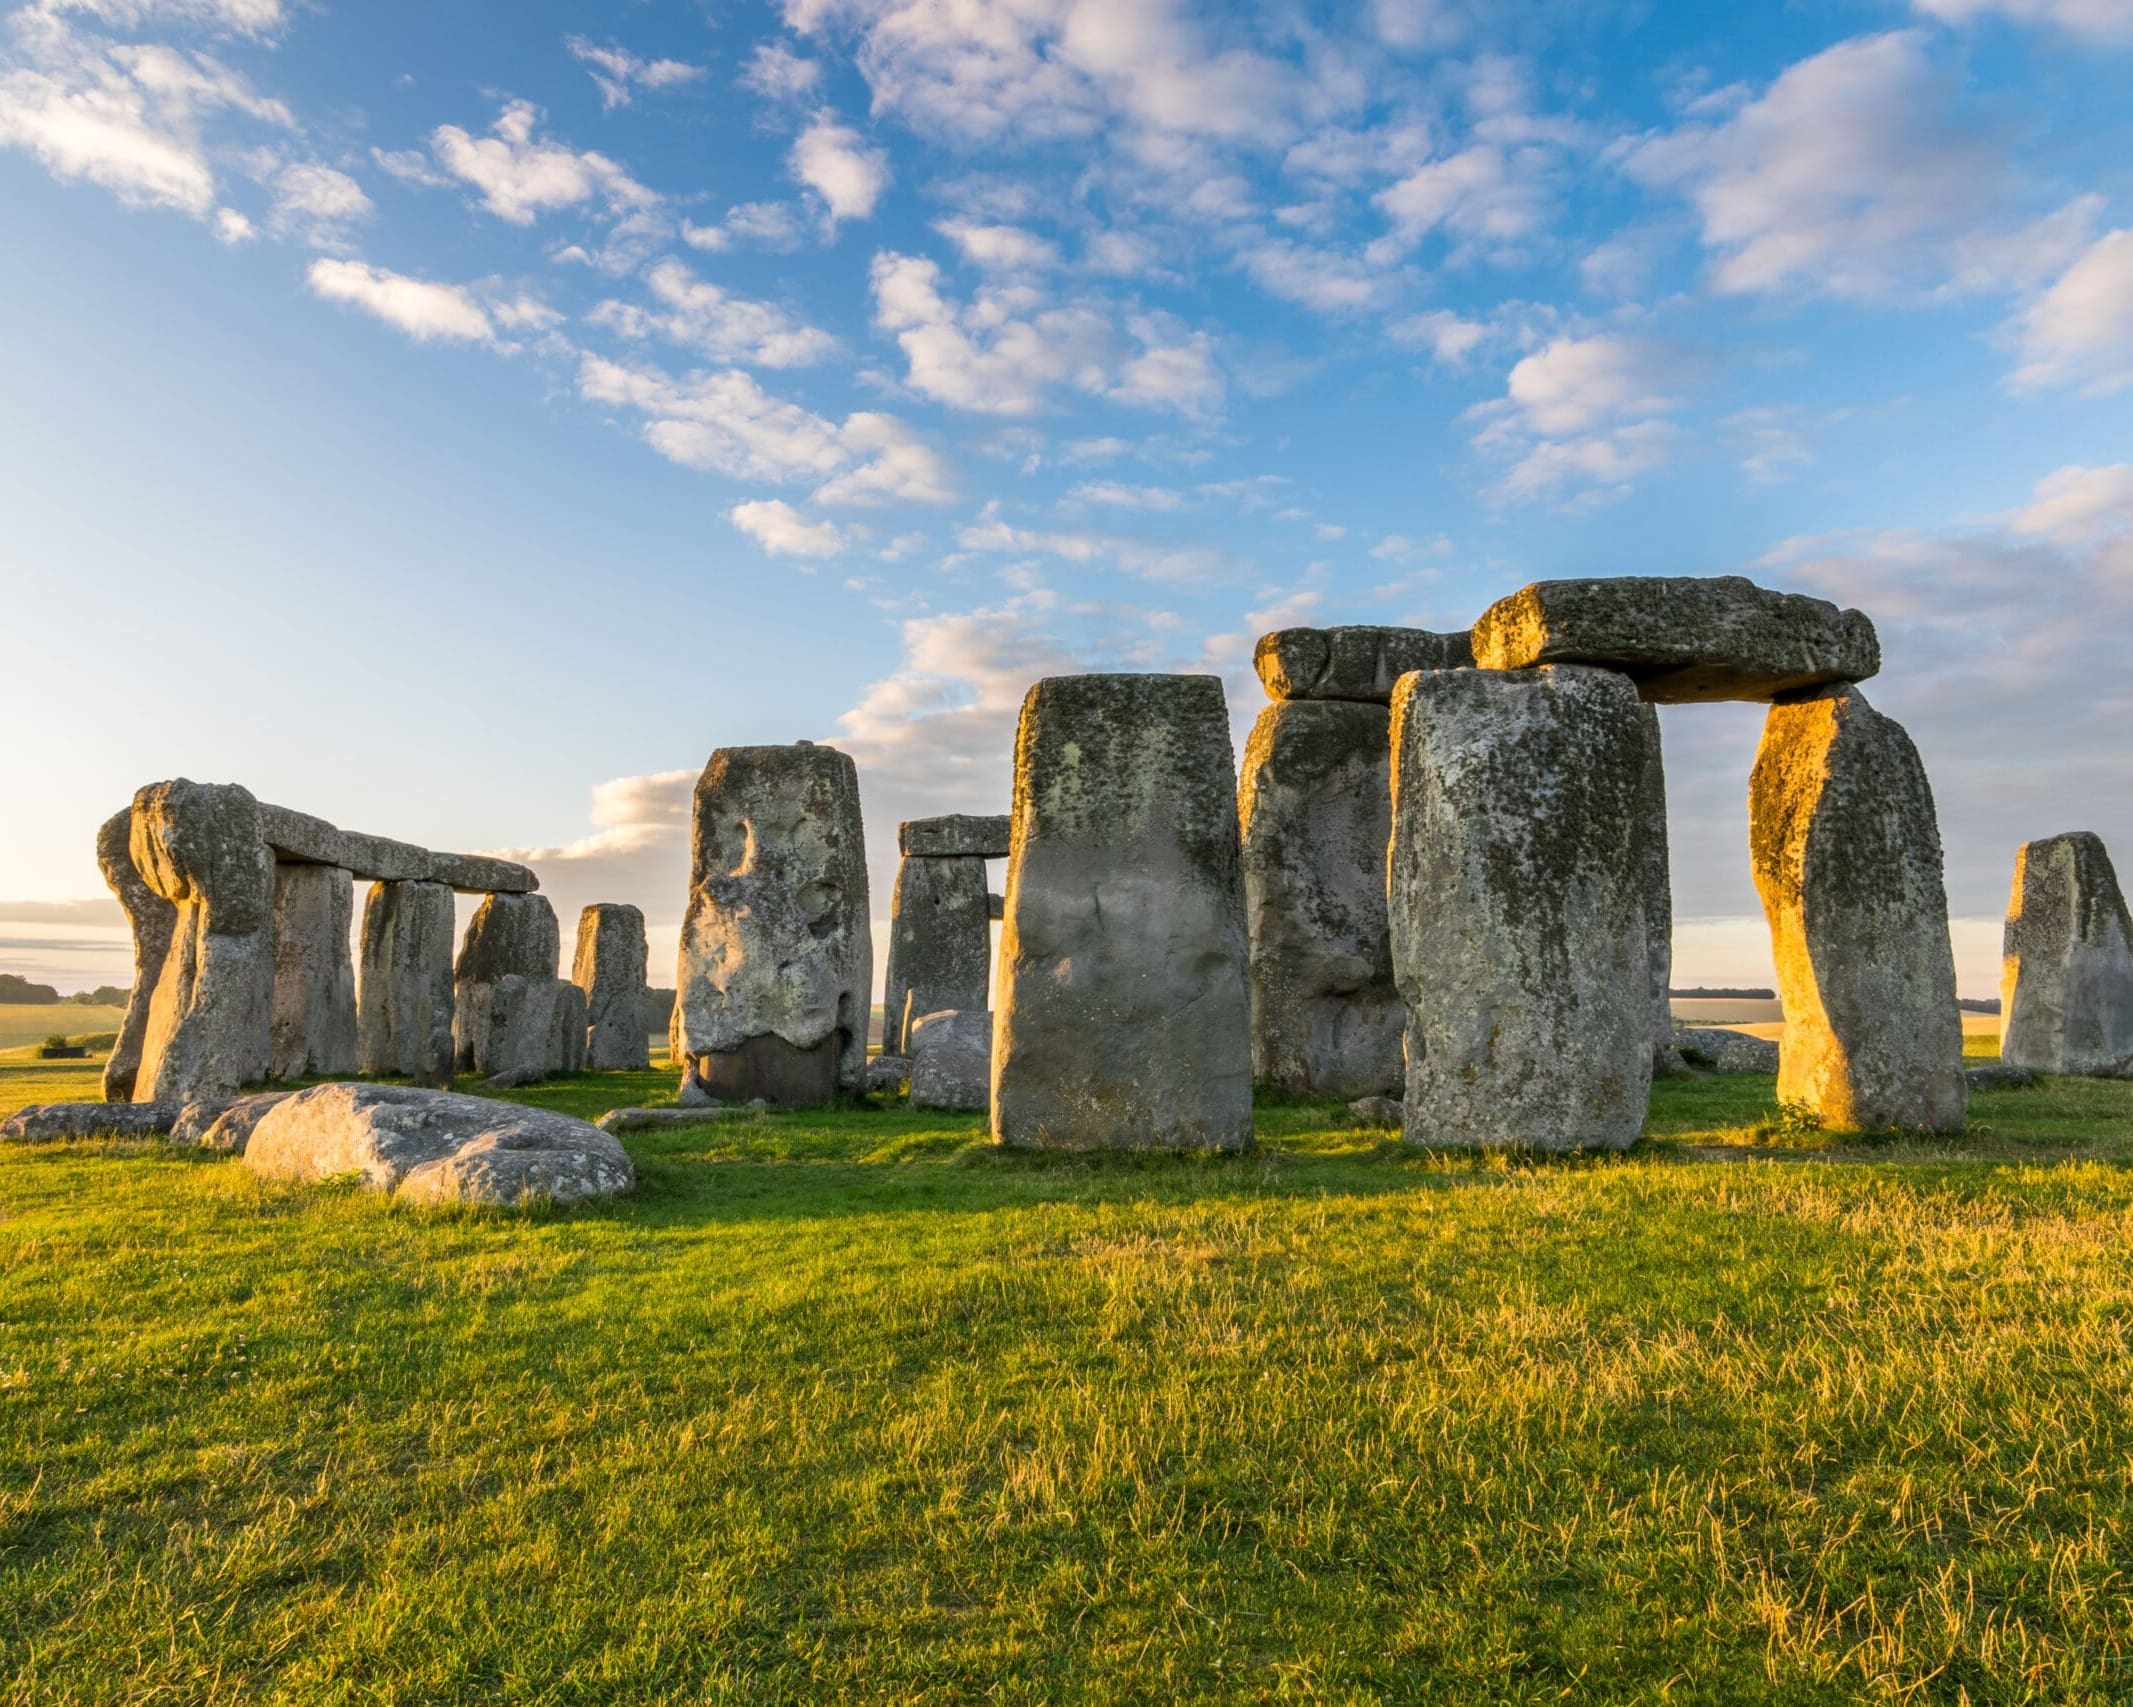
[
  {"x": 314, "y": 1022},
  {"x": 567, "y": 1032},
  {"x": 1847, "y": 859},
  {"x": 776, "y": 969},
  {"x": 940, "y": 944},
  {"x": 951, "y": 1060},
  {"x": 510, "y": 936},
  {"x": 404, "y": 999},
  {"x": 609, "y": 967},
  {"x": 198, "y": 846},
  {"x": 1656, "y": 880},
  {"x": 1123, "y": 1019},
  {"x": 1315, "y": 801},
  {"x": 153, "y": 919},
  {"x": 2066, "y": 971},
  {"x": 1517, "y": 907}
]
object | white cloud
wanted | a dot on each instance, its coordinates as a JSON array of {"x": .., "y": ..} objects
[
  {"x": 783, "y": 532},
  {"x": 1119, "y": 495},
  {"x": 1853, "y": 175},
  {"x": 421, "y": 308},
  {"x": 519, "y": 177},
  {"x": 2106, "y": 21},
  {"x": 616, "y": 70},
  {"x": 2079, "y": 506},
  {"x": 232, "y": 227},
  {"x": 410, "y": 166},
  {"x": 1329, "y": 280},
  {"x": 777, "y": 73},
  {"x": 1449, "y": 338},
  {"x": 1575, "y": 383},
  {"x": 1151, "y": 560},
  {"x": 318, "y": 204},
  {"x": 698, "y": 315},
  {"x": 1001, "y": 248},
  {"x": 260, "y": 18},
  {"x": 836, "y": 163},
  {"x": 763, "y": 225},
  {"x": 1585, "y": 413},
  {"x": 894, "y": 464},
  {"x": 1484, "y": 199},
  {"x": 2080, "y": 332}
]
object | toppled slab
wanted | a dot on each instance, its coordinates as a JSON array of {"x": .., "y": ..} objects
[
  {"x": 49, "y": 1122},
  {"x": 662, "y": 1119},
  {"x": 1998, "y": 1076},
  {"x": 1718, "y": 1050},
  {"x": 955, "y": 836},
  {"x": 231, "y": 1128},
  {"x": 1681, "y": 638},
  {"x": 1355, "y": 663},
  {"x": 437, "y": 1146},
  {"x": 304, "y": 840}
]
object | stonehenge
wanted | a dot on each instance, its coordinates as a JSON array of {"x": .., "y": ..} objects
[
  {"x": 313, "y": 1026},
  {"x": 404, "y": 1004},
  {"x": 776, "y": 967},
  {"x": 512, "y": 1018},
  {"x": 1360, "y": 664},
  {"x": 940, "y": 922},
  {"x": 1122, "y": 1018},
  {"x": 608, "y": 966},
  {"x": 951, "y": 1059},
  {"x": 1655, "y": 880},
  {"x": 2066, "y": 968},
  {"x": 152, "y": 920}
]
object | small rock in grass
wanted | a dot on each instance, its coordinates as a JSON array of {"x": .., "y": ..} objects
[
  {"x": 1377, "y": 1111},
  {"x": 43, "y": 1122},
  {"x": 1999, "y": 1076},
  {"x": 887, "y": 1074},
  {"x": 1718, "y": 1050}
]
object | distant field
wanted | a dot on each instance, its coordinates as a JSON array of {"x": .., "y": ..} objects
[{"x": 22, "y": 1023}]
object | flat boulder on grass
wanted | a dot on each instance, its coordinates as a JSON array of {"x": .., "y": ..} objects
[
  {"x": 48, "y": 1122},
  {"x": 1718, "y": 1050},
  {"x": 436, "y": 1146},
  {"x": 227, "y": 1128}
]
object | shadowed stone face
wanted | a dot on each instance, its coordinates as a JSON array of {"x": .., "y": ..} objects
[
  {"x": 1123, "y": 1020},
  {"x": 198, "y": 846},
  {"x": 506, "y": 995},
  {"x": 1846, "y": 849},
  {"x": 940, "y": 944},
  {"x": 957, "y": 836},
  {"x": 608, "y": 966},
  {"x": 314, "y": 1026},
  {"x": 1656, "y": 880},
  {"x": 1357, "y": 663},
  {"x": 1681, "y": 638},
  {"x": 1315, "y": 800},
  {"x": 951, "y": 1059},
  {"x": 1516, "y": 905},
  {"x": 153, "y": 920},
  {"x": 775, "y": 944},
  {"x": 404, "y": 1001},
  {"x": 2066, "y": 973}
]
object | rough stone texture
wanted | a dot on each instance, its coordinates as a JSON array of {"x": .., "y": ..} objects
[
  {"x": 518, "y": 1028},
  {"x": 404, "y": 997},
  {"x": 658, "y": 1012},
  {"x": 1315, "y": 800},
  {"x": 995, "y": 907},
  {"x": 888, "y": 1074},
  {"x": 1378, "y": 1111},
  {"x": 198, "y": 846},
  {"x": 45, "y": 1122},
  {"x": 1682, "y": 638},
  {"x": 1718, "y": 1050},
  {"x": 2066, "y": 967},
  {"x": 1998, "y": 1076},
  {"x": 1846, "y": 849},
  {"x": 1352, "y": 663},
  {"x": 940, "y": 944},
  {"x": 609, "y": 967},
  {"x": 153, "y": 920},
  {"x": 951, "y": 1059},
  {"x": 567, "y": 1034},
  {"x": 1656, "y": 880},
  {"x": 1517, "y": 908},
  {"x": 500, "y": 1032},
  {"x": 956, "y": 836},
  {"x": 509, "y": 933},
  {"x": 196, "y": 1117},
  {"x": 665, "y": 1119},
  {"x": 313, "y": 1030},
  {"x": 1123, "y": 1018},
  {"x": 434, "y": 1147},
  {"x": 230, "y": 1130},
  {"x": 776, "y": 969},
  {"x": 299, "y": 838}
]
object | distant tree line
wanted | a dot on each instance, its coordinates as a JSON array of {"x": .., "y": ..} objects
[
  {"x": 1703, "y": 995},
  {"x": 19, "y": 991}
]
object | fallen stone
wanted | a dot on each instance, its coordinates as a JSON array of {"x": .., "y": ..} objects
[
  {"x": 152, "y": 919},
  {"x": 47, "y": 1122},
  {"x": 198, "y": 846},
  {"x": 196, "y": 1117},
  {"x": 1516, "y": 901},
  {"x": 951, "y": 1060},
  {"x": 1123, "y": 1017},
  {"x": 1998, "y": 1076},
  {"x": 1847, "y": 858},
  {"x": 2066, "y": 967},
  {"x": 664, "y": 1119},
  {"x": 231, "y": 1130},
  {"x": 1718, "y": 1050},
  {"x": 299, "y": 838},
  {"x": 777, "y": 955},
  {"x": 888, "y": 1074},
  {"x": 608, "y": 966},
  {"x": 958, "y": 835},
  {"x": 1681, "y": 638},
  {"x": 1378, "y": 1111},
  {"x": 313, "y": 1026},
  {"x": 436, "y": 1147},
  {"x": 940, "y": 944},
  {"x": 1315, "y": 800},
  {"x": 404, "y": 1005},
  {"x": 1356, "y": 663}
]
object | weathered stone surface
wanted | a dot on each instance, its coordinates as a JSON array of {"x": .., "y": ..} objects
[
  {"x": 434, "y": 1147},
  {"x": 940, "y": 944},
  {"x": 299, "y": 838},
  {"x": 951, "y": 1059},
  {"x": 313, "y": 1030},
  {"x": 958, "y": 835},
  {"x": 509, "y": 933},
  {"x": 1682, "y": 638},
  {"x": 1356, "y": 663},
  {"x": 1123, "y": 1019},
  {"x": 1846, "y": 850},
  {"x": 776, "y": 968},
  {"x": 504, "y": 989},
  {"x": 665, "y": 1119},
  {"x": 153, "y": 919},
  {"x": 518, "y": 1029},
  {"x": 404, "y": 1001},
  {"x": 888, "y": 1074},
  {"x": 1656, "y": 880},
  {"x": 1315, "y": 799},
  {"x": 996, "y": 907},
  {"x": 1998, "y": 1076},
  {"x": 609, "y": 967},
  {"x": 196, "y": 1117},
  {"x": 47, "y": 1122},
  {"x": 227, "y": 1129},
  {"x": 2066, "y": 967},
  {"x": 658, "y": 1012},
  {"x": 1378, "y": 1111},
  {"x": 198, "y": 846},
  {"x": 567, "y": 1030},
  {"x": 1718, "y": 1050},
  {"x": 1517, "y": 908}
]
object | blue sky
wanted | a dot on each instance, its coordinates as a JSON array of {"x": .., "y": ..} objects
[{"x": 458, "y": 420}]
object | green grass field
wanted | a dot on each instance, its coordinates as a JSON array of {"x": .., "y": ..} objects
[
  {"x": 23, "y": 1022},
  {"x": 849, "y": 1407}
]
